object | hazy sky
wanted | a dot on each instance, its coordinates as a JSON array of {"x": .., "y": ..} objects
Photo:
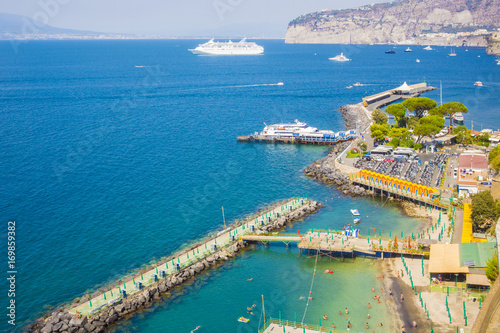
[{"x": 169, "y": 17}]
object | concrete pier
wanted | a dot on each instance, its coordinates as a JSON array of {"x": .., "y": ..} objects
[{"x": 386, "y": 97}]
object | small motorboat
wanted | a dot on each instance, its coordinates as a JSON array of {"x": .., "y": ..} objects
[
  {"x": 408, "y": 49},
  {"x": 349, "y": 87},
  {"x": 428, "y": 48},
  {"x": 243, "y": 320},
  {"x": 478, "y": 83},
  {"x": 357, "y": 84},
  {"x": 356, "y": 221},
  {"x": 341, "y": 58},
  {"x": 354, "y": 212},
  {"x": 391, "y": 51},
  {"x": 281, "y": 84},
  {"x": 418, "y": 60}
]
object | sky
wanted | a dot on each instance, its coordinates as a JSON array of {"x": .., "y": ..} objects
[{"x": 173, "y": 17}]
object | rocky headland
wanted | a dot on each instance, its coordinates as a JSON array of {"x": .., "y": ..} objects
[
  {"x": 405, "y": 21},
  {"x": 60, "y": 320}
]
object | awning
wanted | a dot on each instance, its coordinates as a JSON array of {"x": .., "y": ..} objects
[
  {"x": 478, "y": 280},
  {"x": 445, "y": 258},
  {"x": 404, "y": 88}
]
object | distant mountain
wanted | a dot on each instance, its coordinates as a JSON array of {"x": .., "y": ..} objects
[
  {"x": 396, "y": 22},
  {"x": 17, "y": 25}
]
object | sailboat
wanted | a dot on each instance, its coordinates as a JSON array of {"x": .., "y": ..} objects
[{"x": 452, "y": 53}]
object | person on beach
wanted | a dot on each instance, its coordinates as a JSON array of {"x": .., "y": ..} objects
[
  {"x": 402, "y": 297},
  {"x": 369, "y": 306},
  {"x": 390, "y": 293},
  {"x": 414, "y": 323},
  {"x": 380, "y": 324},
  {"x": 403, "y": 330}
]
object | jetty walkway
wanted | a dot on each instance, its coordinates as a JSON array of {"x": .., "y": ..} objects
[
  {"x": 404, "y": 92},
  {"x": 221, "y": 242}
]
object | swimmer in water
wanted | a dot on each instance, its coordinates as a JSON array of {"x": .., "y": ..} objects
[
  {"x": 333, "y": 325},
  {"x": 325, "y": 317},
  {"x": 367, "y": 326},
  {"x": 346, "y": 311},
  {"x": 368, "y": 317},
  {"x": 369, "y": 306},
  {"x": 197, "y": 328},
  {"x": 373, "y": 290},
  {"x": 301, "y": 297},
  {"x": 340, "y": 313},
  {"x": 250, "y": 279}
]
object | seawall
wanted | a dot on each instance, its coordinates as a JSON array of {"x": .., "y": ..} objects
[{"x": 61, "y": 320}]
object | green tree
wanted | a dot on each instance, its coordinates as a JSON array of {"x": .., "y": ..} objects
[
  {"x": 492, "y": 269},
  {"x": 484, "y": 211},
  {"x": 379, "y": 117},
  {"x": 494, "y": 153},
  {"x": 379, "y": 132},
  {"x": 428, "y": 126},
  {"x": 412, "y": 122},
  {"x": 463, "y": 135},
  {"x": 449, "y": 109},
  {"x": 399, "y": 112},
  {"x": 362, "y": 146},
  {"x": 483, "y": 139},
  {"x": 419, "y": 105}
]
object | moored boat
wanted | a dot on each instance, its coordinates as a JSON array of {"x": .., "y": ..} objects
[
  {"x": 341, "y": 58},
  {"x": 354, "y": 212}
]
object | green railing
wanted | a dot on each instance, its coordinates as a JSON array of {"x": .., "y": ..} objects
[{"x": 294, "y": 324}]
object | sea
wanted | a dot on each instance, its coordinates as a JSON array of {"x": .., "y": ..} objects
[{"x": 115, "y": 154}]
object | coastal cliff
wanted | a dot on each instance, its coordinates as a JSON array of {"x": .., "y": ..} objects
[
  {"x": 406, "y": 21},
  {"x": 494, "y": 44}
]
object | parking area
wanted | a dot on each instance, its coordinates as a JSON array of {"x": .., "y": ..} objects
[{"x": 426, "y": 169}]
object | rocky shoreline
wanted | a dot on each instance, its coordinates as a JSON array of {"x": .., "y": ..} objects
[
  {"x": 61, "y": 320},
  {"x": 325, "y": 170}
]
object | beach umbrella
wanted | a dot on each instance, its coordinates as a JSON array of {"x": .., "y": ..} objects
[
  {"x": 111, "y": 291},
  {"x": 133, "y": 281},
  {"x": 156, "y": 270},
  {"x": 90, "y": 302},
  {"x": 124, "y": 286},
  {"x": 104, "y": 296},
  {"x": 119, "y": 290}
]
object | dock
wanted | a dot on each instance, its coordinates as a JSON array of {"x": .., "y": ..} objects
[
  {"x": 387, "y": 97},
  {"x": 222, "y": 242},
  {"x": 339, "y": 243},
  {"x": 278, "y": 326}
]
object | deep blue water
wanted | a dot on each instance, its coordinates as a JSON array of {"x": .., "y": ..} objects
[{"x": 114, "y": 153}]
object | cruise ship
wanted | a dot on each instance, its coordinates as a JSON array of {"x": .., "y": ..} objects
[
  {"x": 299, "y": 131},
  {"x": 228, "y": 48}
]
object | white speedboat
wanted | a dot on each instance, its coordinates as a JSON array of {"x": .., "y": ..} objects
[
  {"x": 428, "y": 48},
  {"x": 418, "y": 60},
  {"x": 357, "y": 84},
  {"x": 354, "y": 212},
  {"x": 341, "y": 58},
  {"x": 348, "y": 87},
  {"x": 408, "y": 49},
  {"x": 228, "y": 48},
  {"x": 280, "y": 84},
  {"x": 302, "y": 132},
  {"x": 478, "y": 83}
]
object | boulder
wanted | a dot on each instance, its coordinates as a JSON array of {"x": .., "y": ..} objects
[
  {"x": 120, "y": 308},
  {"x": 63, "y": 327},
  {"x": 89, "y": 327},
  {"x": 56, "y": 327},
  {"x": 78, "y": 322},
  {"x": 47, "y": 328},
  {"x": 112, "y": 319}
]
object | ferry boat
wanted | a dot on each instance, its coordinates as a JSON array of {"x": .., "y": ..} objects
[
  {"x": 354, "y": 212},
  {"x": 428, "y": 48},
  {"x": 458, "y": 119},
  {"x": 408, "y": 49},
  {"x": 228, "y": 48},
  {"x": 300, "y": 131},
  {"x": 341, "y": 58}
]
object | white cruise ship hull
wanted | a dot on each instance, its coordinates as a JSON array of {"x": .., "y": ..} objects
[{"x": 200, "y": 51}]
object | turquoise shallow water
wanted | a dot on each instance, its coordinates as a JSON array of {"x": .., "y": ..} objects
[{"x": 115, "y": 153}]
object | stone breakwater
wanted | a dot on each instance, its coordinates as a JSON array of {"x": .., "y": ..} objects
[
  {"x": 326, "y": 170},
  {"x": 61, "y": 320}
]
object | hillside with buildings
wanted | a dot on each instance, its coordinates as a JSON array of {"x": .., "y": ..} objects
[{"x": 437, "y": 22}]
